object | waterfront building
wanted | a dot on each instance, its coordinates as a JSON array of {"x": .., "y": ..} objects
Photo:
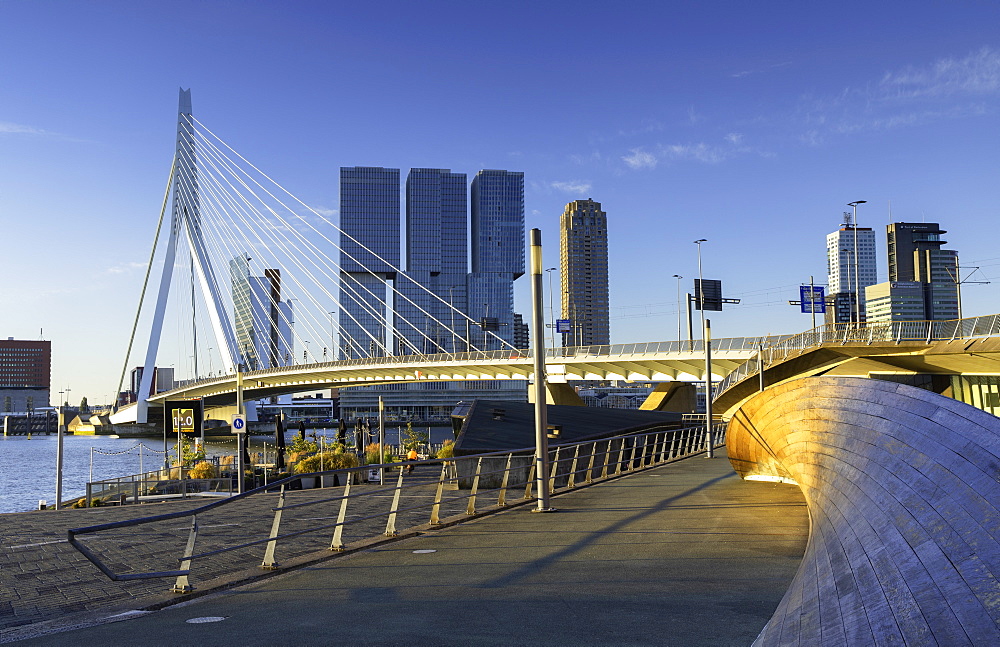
[
  {"x": 915, "y": 254},
  {"x": 261, "y": 320},
  {"x": 851, "y": 267},
  {"x": 369, "y": 256},
  {"x": 435, "y": 278},
  {"x": 894, "y": 301},
  {"x": 25, "y": 375},
  {"x": 497, "y": 226},
  {"x": 583, "y": 255},
  {"x": 434, "y": 285}
]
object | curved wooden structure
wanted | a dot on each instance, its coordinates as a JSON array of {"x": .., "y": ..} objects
[{"x": 903, "y": 489}]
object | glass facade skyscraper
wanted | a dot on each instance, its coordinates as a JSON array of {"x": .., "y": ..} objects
[
  {"x": 497, "y": 227},
  {"x": 436, "y": 259},
  {"x": 851, "y": 267},
  {"x": 369, "y": 254}
]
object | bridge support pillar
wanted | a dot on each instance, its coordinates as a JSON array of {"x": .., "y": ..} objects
[
  {"x": 679, "y": 397},
  {"x": 556, "y": 393}
]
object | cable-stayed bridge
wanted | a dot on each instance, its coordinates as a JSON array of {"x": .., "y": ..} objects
[{"x": 259, "y": 288}]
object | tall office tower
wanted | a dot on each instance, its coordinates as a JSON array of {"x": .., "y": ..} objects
[
  {"x": 262, "y": 321},
  {"x": 583, "y": 256},
  {"x": 436, "y": 259},
  {"x": 497, "y": 254},
  {"x": 25, "y": 375},
  {"x": 851, "y": 267},
  {"x": 915, "y": 254},
  {"x": 369, "y": 244}
]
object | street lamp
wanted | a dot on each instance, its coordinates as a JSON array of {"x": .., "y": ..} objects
[
  {"x": 552, "y": 310},
  {"x": 857, "y": 282},
  {"x": 701, "y": 286},
  {"x": 679, "y": 277}
]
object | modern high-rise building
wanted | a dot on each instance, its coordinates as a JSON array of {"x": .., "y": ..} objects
[
  {"x": 369, "y": 256},
  {"x": 497, "y": 226},
  {"x": 583, "y": 255},
  {"x": 437, "y": 244},
  {"x": 851, "y": 267},
  {"x": 915, "y": 254},
  {"x": 25, "y": 375},
  {"x": 432, "y": 293},
  {"x": 262, "y": 321}
]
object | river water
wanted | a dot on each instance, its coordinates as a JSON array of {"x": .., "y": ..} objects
[{"x": 28, "y": 466}]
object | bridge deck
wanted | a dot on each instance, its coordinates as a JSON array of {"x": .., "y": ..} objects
[{"x": 682, "y": 554}]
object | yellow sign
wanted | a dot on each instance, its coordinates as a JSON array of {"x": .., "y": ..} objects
[{"x": 184, "y": 420}]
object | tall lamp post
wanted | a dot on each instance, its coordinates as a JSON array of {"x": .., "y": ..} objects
[
  {"x": 59, "y": 446},
  {"x": 679, "y": 277},
  {"x": 707, "y": 340},
  {"x": 857, "y": 282}
]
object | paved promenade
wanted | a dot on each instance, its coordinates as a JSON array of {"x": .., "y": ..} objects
[{"x": 682, "y": 554}]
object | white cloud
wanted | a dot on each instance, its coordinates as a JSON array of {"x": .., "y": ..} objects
[
  {"x": 977, "y": 73},
  {"x": 572, "y": 186},
  {"x": 11, "y": 128},
  {"x": 735, "y": 138},
  {"x": 640, "y": 159},
  {"x": 328, "y": 213},
  {"x": 124, "y": 268}
]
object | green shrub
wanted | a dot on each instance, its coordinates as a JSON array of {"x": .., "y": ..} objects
[
  {"x": 372, "y": 457},
  {"x": 203, "y": 470},
  {"x": 447, "y": 450},
  {"x": 335, "y": 460}
]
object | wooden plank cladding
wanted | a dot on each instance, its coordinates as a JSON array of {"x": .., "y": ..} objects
[{"x": 903, "y": 488}]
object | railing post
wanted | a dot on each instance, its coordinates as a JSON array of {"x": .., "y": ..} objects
[
  {"x": 471, "y": 509},
  {"x": 390, "y": 526},
  {"x": 531, "y": 481},
  {"x": 337, "y": 543},
  {"x": 436, "y": 508},
  {"x": 634, "y": 440},
  {"x": 182, "y": 584},
  {"x": 645, "y": 451},
  {"x": 590, "y": 463},
  {"x": 502, "y": 497},
  {"x": 553, "y": 471},
  {"x": 269, "y": 562},
  {"x": 607, "y": 459},
  {"x": 571, "y": 482}
]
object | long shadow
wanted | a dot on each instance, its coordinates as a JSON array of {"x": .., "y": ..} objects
[{"x": 539, "y": 564}]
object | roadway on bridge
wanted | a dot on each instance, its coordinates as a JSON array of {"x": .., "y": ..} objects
[{"x": 682, "y": 554}]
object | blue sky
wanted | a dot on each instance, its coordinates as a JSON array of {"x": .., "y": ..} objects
[{"x": 749, "y": 124}]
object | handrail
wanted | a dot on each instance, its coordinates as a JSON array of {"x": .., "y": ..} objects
[
  {"x": 863, "y": 333},
  {"x": 494, "y": 473},
  {"x": 730, "y": 344}
]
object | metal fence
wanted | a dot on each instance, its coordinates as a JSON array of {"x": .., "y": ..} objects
[
  {"x": 289, "y": 520},
  {"x": 893, "y": 332}
]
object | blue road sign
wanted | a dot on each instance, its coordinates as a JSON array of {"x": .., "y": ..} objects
[
  {"x": 239, "y": 423},
  {"x": 563, "y": 325},
  {"x": 812, "y": 298}
]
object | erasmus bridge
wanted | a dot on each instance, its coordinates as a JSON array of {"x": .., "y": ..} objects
[
  {"x": 902, "y": 483},
  {"x": 226, "y": 216}
]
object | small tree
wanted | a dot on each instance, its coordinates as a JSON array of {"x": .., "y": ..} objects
[{"x": 413, "y": 439}]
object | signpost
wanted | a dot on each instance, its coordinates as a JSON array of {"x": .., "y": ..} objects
[{"x": 563, "y": 325}]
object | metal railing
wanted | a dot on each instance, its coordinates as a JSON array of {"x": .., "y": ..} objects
[
  {"x": 894, "y": 332},
  {"x": 551, "y": 354},
  {"x": 155, "y": 485},
  {"x": 288, "y": 520}
]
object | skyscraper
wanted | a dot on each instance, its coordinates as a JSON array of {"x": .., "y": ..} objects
[
  {"x": 497, "y": 253},
  {"x": 369, "y": 254},
  {"x": 915, "y": 254},
  {"x": 262, "y": 321},
  {"x": 436, "y": 259},
  {"x": 583, "y": 255},
  {"x": 851, "y": 267}
]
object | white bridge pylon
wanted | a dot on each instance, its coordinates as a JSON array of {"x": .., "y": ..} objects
[{"x": 186, "y": 217}]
